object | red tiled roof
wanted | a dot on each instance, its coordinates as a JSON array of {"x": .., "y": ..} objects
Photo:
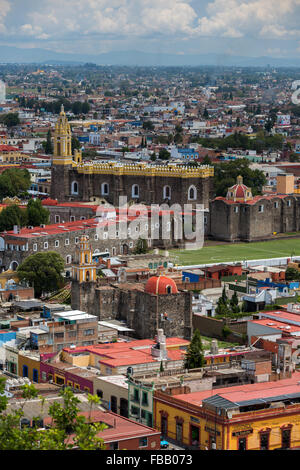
[{"x": 246, "y": 392}]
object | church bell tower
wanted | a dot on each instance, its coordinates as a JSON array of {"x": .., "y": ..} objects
[{"x": 62, "y": 160}]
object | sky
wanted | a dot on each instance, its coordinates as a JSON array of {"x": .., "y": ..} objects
[{"x": 237, "y": 27}]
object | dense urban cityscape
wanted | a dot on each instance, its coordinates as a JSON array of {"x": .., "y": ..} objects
[{"x": 150, "y": 257}]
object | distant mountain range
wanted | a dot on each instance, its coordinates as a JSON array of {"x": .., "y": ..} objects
[{"x": 136, "y": 58}]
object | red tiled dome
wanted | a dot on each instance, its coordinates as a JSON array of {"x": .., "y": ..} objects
[
  {"x": 161, "y": 285},
  {"x": 239, "y": 192}
]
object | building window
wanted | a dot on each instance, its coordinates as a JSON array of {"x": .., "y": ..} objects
[
  {"x": 260, "y": 208},
  {"x": 167, "y": 192},
  {"x": 113, "y": 446},
  {"x": 56, "y": 243},
  {"x": 192, "y": 193},
  {"x": 67, "y": 241},
  {"x": 289, "y": 203},
  {"x": 286, "y": 438},
  {"x": 143, "y": 442},
  {"x": 236, "y": 209},
  {"x": 276, "y": 205},
  {"x": 114, "y": 404},
  {"x": 72, "y": 218},
  {"x": 135, "y": 191},
  {"x": 264, "y": 440},
  {"x": 45, "y": 245},
  {"x": 57, "y": 219},
  {"x": 89, "y": 332},
  {"x": 76, "y": 240},
  {"x": 242, "y": 443},
  {"x": 104, "y": 189},
  {"x": 99, "y": 393},
  {"x": 145, "y": 399},
  {"x": 59, "y": 335},
  {"x": 96, "y": 237},
  {"x": 74, "y": 188},
  {"x": 35, "y": 375},
  {"x": 35, "y": 247}
]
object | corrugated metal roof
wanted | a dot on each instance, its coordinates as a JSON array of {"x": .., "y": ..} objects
[{"x": 220, "y": 402}]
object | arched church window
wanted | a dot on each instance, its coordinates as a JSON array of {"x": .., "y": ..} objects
[
  {"x": 167, "y": 192},
  {"x": 104, "y": 189},
  {"x": 135, "y": 190},
  {"x": 74, "y": 187},
  {"x": 192, "y": 193}
]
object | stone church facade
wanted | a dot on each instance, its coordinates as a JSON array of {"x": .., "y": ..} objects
[
  {"x": 75, "y": 180},
  {"x": 241, "y": 217}
]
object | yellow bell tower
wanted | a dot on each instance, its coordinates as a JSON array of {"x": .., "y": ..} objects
[
  {"x": 62, "y": 154},
  {"x": 84, "y": 268}
]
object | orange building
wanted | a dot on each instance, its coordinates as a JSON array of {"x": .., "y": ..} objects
[{"x": 260, "y": 416}]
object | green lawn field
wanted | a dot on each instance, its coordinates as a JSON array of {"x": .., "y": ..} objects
[{"x": 237, "y": 252}]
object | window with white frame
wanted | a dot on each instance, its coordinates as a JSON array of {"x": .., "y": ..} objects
[
  {"x": 104, "y": 189},
  {"x": 34, "y": 247},
  {"x": 74, "y": 187},
  {"x": 67, "y": 241},
  {"x": 192, "y": 193},
  {"x": 260, "y": 208},
  {"x": 46, "y": 245},
  {"x": 56, "y": 243},
  {"x": 135, "y": 190},
  {"x": 167, "y": 192}
]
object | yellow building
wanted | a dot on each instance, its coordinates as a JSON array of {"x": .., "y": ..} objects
[
  {"x": 261, "y": 416},
  {"x": 62, "y": 154},
  {"x": 84, "y": 268},
  {"x": 29, "y": 365}
]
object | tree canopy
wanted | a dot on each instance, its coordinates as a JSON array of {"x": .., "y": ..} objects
[
  {"x": 225, "y": 175},
  {"x": 13, "y": 182},
  {"x": 36, "y": 213},
  {"x": 68, "y": 430},
  {"x": 43, "y": 272},
  {"x": 194, "y": 356},
  {"x": 12, "y": 215}
]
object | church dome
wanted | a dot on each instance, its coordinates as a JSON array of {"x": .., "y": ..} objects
[
  {"x": 239, "y": 192},
  {"x": 161, "y": 285}
]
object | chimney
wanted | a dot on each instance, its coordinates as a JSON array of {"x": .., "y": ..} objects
[{"x": 108, "y": 264}]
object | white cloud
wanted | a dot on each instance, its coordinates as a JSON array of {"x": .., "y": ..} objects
[
  {"x": 4, "y": 9},
  {"x": 237, "y": 18}
]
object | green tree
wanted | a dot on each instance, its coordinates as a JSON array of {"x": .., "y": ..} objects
[
  {"x": 13, "y": 182},
  {"x": 48, "y": 145},
  {"x": 148, "y": 125},
  {"x": 12, "y": 215},
  {"x": 36, "y": 213},
  {"x": 291, "y": 274},
  {"x": 141, "y": 246},
  {"x": 234, "y": 303},
  {"x": 206, "y": 160},
  {"x": 11, "y": 119},
  {"x": 164, "y": 154},
  {"x": 75, "y": 144},
  {"x": 194, "y": 357},
  {"x": 43, "y": 272},
  {"x": 68, "y": 430}
]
